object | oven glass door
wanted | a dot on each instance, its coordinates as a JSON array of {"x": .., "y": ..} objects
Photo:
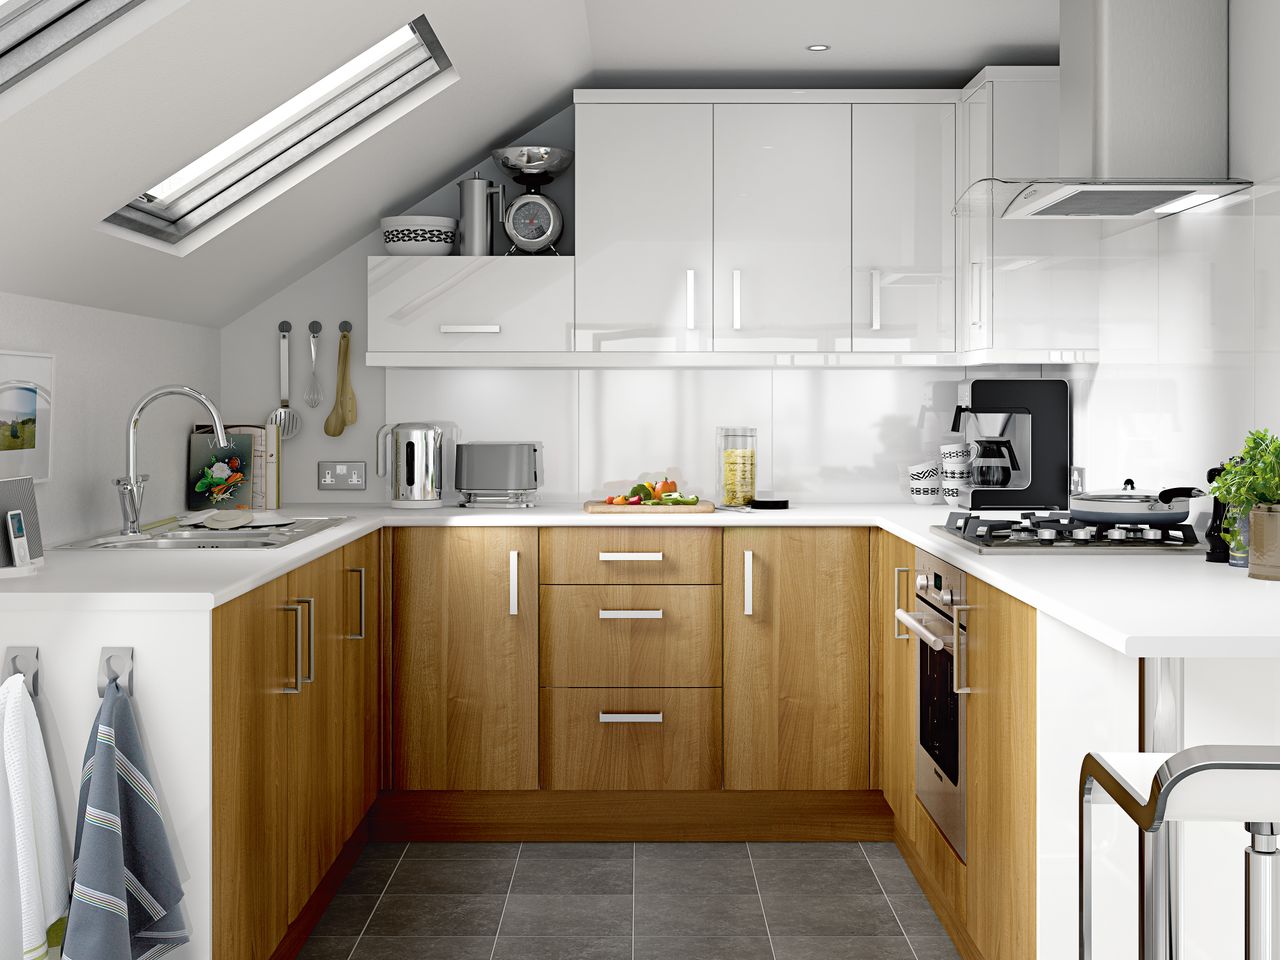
[{"x": 939, "y": 711}]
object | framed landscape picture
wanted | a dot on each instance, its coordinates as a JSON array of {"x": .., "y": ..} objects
[{"x": 26, "y": 414}]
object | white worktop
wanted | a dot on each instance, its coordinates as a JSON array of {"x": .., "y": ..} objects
[{"x": 1164, "y": 605}]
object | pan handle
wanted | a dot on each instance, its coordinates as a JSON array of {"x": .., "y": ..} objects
[{"x": 1179, "y": 493}]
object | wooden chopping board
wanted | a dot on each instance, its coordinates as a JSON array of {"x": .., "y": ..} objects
[{"x": 599, "y": 506}]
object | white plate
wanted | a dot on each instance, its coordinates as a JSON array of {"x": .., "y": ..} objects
[{"x": 260, "y": 518}]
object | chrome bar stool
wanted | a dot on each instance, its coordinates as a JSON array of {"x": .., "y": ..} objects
[{"x": 1207, "y": 784}]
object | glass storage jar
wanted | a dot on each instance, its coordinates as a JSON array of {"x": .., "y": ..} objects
[{"x": 736, "y": 469}]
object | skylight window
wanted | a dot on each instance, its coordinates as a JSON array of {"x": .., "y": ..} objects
[
  {"x": 33, "y": 32},
  {"x": 287, "y": 136}
]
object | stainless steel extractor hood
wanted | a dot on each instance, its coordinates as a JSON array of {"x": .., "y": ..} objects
[{"x": 1114, "y": 199}]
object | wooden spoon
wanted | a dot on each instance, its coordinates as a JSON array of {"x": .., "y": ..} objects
[
  {"x": 337, "y": 420},
  {"x": 348, "y": 392}
]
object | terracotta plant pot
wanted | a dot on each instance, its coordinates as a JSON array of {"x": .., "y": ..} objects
[{"x": 1264, "y": 542}]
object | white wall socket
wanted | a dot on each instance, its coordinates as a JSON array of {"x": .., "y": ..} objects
[{"x": 340, "y": 475}]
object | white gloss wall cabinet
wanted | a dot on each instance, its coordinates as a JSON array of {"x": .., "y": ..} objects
[
  {"x": 783, "y": 182},
  {"x": 643, "y": 181},
  {"x": 904, "y": 185},
  {"x": 445, "y": 304}
]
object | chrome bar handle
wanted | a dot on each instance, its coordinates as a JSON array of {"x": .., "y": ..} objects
[
  {"x": 606, "y": 555},
  {"x": 470, "y": 328},
  {"x": 630, "y": 614},
  {"x": 737, "y": 299},
  {"x": 690, "y": 302},
  {"x": 296, "y": 610},
  {"x": 360, "y": 635},
  {"x": 875, "y": 299},
  {"x": 311, "y": 637},
  {"x": 897, "y": 599},
  {"x": 513, "y": 583},
  {"x": 913, "y": 625},
  {"x": 748, "y": 583},
  {"x": 960, "y": 648},
  {"x": 630, "y": 717}
]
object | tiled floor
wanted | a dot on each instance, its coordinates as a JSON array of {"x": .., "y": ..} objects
[{"x": 623, "y": 901}]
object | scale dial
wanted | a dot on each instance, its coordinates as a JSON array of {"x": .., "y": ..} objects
[{"x": 533, "y": 222}]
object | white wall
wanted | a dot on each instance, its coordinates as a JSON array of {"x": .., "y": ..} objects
[{"x": 103, "y": 362}]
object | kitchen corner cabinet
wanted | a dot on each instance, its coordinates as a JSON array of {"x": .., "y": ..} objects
[
  {"x": 892, "y": 565},
  {"x": 797, "y": 700},
  {"x": 643, "y": 186},
  {"x": 361, "y": 648},
  {"x": 464, "y": 695},
  {"x": 904, "y": 187},
  {"x": 782, "y": 226}
]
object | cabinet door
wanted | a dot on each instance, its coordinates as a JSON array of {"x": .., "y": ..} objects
[
  {"x": 253, "y": 662},
  {"x": 362, "y": 573},
  {"x": 465, "y": 686},
  {"x": 796, "y": 691},
  {"x": 642, "y": 181},
  {"x": 904, "y": 188},
  {"x": 315, "y": 730},
  {"x": 1001, "y": 784},
  {"x": 782, "y": 221},
  {"x": 893, "y": 561}
]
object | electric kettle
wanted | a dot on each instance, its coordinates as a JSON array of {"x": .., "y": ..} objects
[
  {"x": 417, "y": 465},
  {"x": 993, "y": 462}
]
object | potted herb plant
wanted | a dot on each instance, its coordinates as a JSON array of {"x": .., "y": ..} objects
[{"x": 1250, "y": 487}]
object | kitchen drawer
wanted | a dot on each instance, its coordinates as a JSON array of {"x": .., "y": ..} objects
[
  {"x": 615, "y": 636},
  {"x": 630, "y": 555},
  {"x": 470, "y": 303},
  {"x": 637, "y": 739}
]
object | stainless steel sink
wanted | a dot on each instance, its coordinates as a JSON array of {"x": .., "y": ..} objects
[{"x": 175, "y": 537}]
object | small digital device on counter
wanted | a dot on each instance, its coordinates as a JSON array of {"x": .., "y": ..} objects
[{"x": 16, "y": 531}]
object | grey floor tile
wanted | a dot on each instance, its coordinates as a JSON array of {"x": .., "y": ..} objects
[
  {"x": 816, "y": 876},
  {"x": 383, "y": 851},
  {"x": 689, "y": 915},
  {"x": 567, "y": 915},
  {"x": 345, "y": 916},
  {"x": 415, "y": 877},
  {"x": 806, "y": 851},
  {"x": 439, "y": 915},
  {"x": 424, "y": 948},
  {"x": 803, "y": 915},
  {"x": 895, "y": 876},
  {"x": 691, "y": 851},
  {"x": 462, "y": 851},
  {"x": 703, "y": 948},
  {"x": 882, "y": 851},
  {"x": 917, "y": 916},
  {"x": 576, "y": 851},
  {"x": 563, "y": 948},
  {"x": 573, "y": 876},
  {"x": 934, "y": 948},
  {"x": 368, "y": 876},
  {"x": 842, "y": 948},
  {"x": 327, "y": 948},
  {"x": 695, "y": 876}
]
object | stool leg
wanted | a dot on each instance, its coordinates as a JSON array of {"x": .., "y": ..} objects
[{"x": 1262, "y": 893}]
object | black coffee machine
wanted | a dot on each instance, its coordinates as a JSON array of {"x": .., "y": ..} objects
[{"x": 1023, "y": 433}]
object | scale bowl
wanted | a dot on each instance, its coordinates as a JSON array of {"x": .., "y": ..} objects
[{"x": 531, "y": 159}]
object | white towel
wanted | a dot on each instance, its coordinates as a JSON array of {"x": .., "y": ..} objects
[{"x": 33, "y": 873}]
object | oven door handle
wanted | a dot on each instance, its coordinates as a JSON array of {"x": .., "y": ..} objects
[
  {"x": 957, "y": 643},
  {"x": 913, "y": 625}
]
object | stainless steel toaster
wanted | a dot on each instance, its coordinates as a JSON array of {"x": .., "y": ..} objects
[{"x": 498, "y": 474}]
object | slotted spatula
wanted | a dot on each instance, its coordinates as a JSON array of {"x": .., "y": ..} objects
[{"x": 282, "y": 416}]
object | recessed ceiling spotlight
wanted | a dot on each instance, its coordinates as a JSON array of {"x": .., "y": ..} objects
[{"x": 818, "y": 47}]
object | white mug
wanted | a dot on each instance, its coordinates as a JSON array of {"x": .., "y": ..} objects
[{"x": 954, "y": 454}]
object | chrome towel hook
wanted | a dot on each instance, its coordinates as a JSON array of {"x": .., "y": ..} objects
[
  {"x": 26, "y": 661},
  {"x": 115, "y": 663}
]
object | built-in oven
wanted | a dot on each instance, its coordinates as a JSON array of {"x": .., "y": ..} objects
[{"x": 937, "y": 625}]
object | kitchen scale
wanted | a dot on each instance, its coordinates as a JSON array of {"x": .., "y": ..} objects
[{"x": 532, "y": 220}]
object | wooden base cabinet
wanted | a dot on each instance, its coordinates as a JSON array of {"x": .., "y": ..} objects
[
  {"x": 893, "y": 563},
  {"x": 361, "y": 650},
  {"x": 464, "y": 695},
  {"x": 797, "y": 694}
]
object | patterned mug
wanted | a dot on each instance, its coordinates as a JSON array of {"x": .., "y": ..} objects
[{"x": 957, "y": 454}]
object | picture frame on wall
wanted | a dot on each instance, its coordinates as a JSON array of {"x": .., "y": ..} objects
[{"x": 26, "y": 414}]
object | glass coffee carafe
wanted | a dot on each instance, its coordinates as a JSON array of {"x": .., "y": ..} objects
[{"x": 994, "y": 462}]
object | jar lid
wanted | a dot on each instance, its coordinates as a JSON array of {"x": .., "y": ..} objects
[{"x": 736, "y": 431}]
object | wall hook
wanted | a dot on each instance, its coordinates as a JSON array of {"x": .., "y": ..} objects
[
  {"x": 26, "y": 661},
  {"x": 115, "y": 663}
]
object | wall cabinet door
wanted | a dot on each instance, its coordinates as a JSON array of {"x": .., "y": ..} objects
[
  {"x": 904, "y": 187},
  {"x": 1001, "y": 740},
  {"x": 253, "y": 662},
  {"x": 465, "y": 687},
  {"x": 643, "y": 194},
  {"x": 892, "y": 583},
  {"x": 796, "y": 693},
  {"x": 361, "y": 646},
  {"x": 314, "y": 755},
  {"x": 782, "y": 226}
]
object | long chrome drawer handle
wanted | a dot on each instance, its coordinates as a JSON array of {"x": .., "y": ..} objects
[
  {"x": 311, "y": 637},
  {"x": 897, "y": 595},
  {"x": 630, "y": 717},
  {"x": 606, "y": 555},
  {"x": 630, "y": 614},
  {"x": 296, "y": 610},
  {"x": 470, "y": 328}
]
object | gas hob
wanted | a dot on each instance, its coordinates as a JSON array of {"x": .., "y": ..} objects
[{"x": 1058, "y": 533}]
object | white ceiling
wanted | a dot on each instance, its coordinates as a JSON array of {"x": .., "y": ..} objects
[{"x": 116, "y": 119}]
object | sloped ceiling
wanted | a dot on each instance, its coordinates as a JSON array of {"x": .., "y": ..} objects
[{"x": 74, "y": 153}]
